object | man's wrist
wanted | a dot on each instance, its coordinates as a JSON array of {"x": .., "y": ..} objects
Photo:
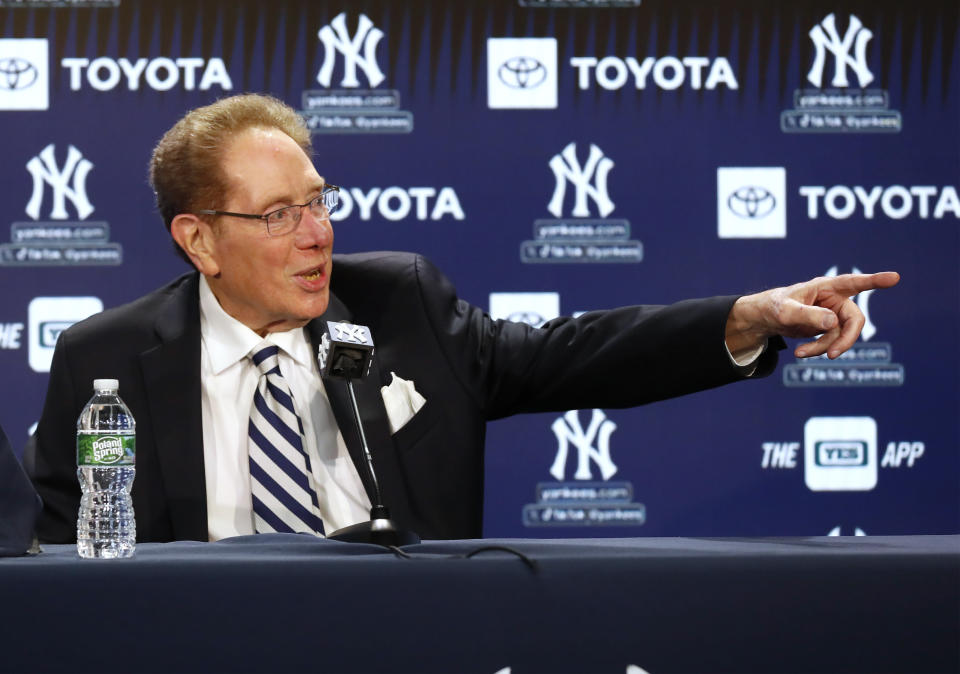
[{"x": 743, "y": 335}]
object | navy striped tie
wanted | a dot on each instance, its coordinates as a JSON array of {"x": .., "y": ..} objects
[{"x": 281, "y": 482}]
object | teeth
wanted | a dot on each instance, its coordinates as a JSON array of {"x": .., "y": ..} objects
[{"x": 313, "y": 275}]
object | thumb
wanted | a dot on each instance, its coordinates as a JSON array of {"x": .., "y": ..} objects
[
  {"x": 808, "y": 316},
  {"x": 828, "y": 319}
]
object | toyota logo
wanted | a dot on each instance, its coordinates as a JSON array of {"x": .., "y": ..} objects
[
  {"x": 17, "y": 73},
  {"x": 751, "y": 202},
  {"x": 528, "y": 317},
  {"x": 522, "y": 72}
]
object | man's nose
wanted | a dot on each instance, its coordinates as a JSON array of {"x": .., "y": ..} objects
[{"x": 314, "y": 231}]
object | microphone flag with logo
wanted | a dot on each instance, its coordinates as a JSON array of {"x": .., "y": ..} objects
[{"x": 346, "y": 351}]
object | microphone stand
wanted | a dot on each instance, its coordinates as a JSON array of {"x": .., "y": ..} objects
[{"x": 380, "y": 530}]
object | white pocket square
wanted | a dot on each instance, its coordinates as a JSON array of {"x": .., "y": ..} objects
[{"x": 401, "y": 400}]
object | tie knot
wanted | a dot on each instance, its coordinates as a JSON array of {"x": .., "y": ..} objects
[{"x": 264, "y": 356}]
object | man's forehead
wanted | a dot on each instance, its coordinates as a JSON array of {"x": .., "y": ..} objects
[
  {"x": 264, "y": 143},
  {"x": 266, "y": 164}
]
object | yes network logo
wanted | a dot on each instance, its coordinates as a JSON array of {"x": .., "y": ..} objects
[
  {"x": 47, "y": 317},
  {"x": 840, "y": 453}
]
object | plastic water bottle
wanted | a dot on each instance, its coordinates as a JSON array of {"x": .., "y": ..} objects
[{"x": 106, "y": 449}]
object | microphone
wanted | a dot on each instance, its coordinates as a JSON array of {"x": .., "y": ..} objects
[{"x": 346, "y": 352}]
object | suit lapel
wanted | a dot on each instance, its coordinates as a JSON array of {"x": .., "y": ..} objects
[
  {"x": 171, "y": 373},
  {"x": 375, "y": 423}
]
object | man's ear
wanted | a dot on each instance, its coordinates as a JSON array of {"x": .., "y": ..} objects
[{"x": 196, "y": 238}]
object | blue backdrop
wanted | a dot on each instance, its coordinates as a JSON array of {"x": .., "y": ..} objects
[{"x": 555, "y": 156}]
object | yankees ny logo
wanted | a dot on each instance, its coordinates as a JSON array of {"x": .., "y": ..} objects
[
  {"x": 566, "y": 167},
  {"x": 348, "y": 332},
  {"x": 825, "y": 36},
  {"x": 863, "y": 301},
  {"x": 337, "y": 39},
  {"x": 44, "y": 170},
  {"x": 568, "y": 430}
]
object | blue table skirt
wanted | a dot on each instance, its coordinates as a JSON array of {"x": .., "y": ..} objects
[{"x": 283, "y": 602}]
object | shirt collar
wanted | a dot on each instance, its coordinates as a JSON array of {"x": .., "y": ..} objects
[{"x": 228, "y": 340}]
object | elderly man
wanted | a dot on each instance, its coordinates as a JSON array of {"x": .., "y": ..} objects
[{"x": 237, "y": 433}]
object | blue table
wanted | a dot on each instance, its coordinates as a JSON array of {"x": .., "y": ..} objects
[{"x": 280, "y": 603}]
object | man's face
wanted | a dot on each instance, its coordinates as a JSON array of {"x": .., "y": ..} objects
[{"x": 270, "y": 283}]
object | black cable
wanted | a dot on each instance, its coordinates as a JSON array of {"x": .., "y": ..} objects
[
  {"x": 402, "y": 554},
  {"x": 531, "y": 564}
]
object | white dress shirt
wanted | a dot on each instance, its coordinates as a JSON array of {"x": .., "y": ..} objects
[{"x": 228, "y": 379}]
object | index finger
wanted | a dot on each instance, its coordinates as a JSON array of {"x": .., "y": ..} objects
[{"x": 851, "y": 284}]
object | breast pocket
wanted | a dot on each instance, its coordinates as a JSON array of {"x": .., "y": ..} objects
[{"x": 418, "y": 426}]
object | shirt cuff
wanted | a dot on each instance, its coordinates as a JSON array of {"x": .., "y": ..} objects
[{"x": 747, "y": 361}]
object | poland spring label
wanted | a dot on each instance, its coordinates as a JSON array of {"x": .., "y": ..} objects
[{"x": 105, "y": 450}]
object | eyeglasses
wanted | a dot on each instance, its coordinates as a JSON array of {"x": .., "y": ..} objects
[{"x": 285, "y": 220}]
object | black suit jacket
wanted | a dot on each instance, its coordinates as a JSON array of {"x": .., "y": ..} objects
[{"x": 469, "y": 368}]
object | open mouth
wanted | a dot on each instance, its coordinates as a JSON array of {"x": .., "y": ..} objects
[{"x": 313, "y": 274}]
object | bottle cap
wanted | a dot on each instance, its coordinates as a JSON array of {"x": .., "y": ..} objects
[{"x": 105, "y": 384}]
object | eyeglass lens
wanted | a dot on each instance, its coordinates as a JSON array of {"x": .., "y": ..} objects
[{"x": 321, "y": 207}]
